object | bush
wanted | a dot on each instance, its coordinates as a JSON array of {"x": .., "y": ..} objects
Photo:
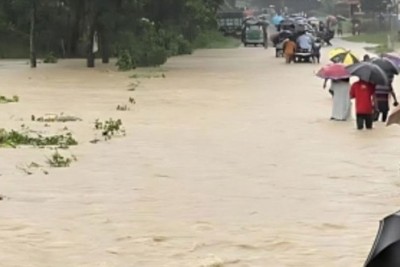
[
  {"x": 125, "y": 61},
  {"x": 50, "y": 58},
  {"x": 156, "y": 56},
  {"x": 184, "y": 46},
  {"x": 175, "y": 44}
]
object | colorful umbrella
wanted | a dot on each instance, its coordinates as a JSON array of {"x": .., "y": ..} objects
[
  {"x": 394, "y": 57},
  {"x": 336, "y": 51},
  {"x": 386, "y": 65},
  {"x": 336, "y": 71},
  {"x": 346, "y": 57},
  {"x": 368, "y": 72}
]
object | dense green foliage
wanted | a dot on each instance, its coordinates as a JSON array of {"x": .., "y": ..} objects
[{"x": 143, "y": 32}]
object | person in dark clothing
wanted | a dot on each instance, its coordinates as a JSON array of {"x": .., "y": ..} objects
[
  {"x": 382, "y": 93},
  {"x": 328, "y": 36},
  {"x": 321, "y": 26},
  {"x": 340, "y": 29},
  {"x": 316, "y": 52}
]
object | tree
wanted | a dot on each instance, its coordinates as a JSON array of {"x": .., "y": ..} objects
[{"x": 67, "y": 27}]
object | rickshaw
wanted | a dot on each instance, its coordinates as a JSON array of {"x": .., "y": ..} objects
[
  {"x": 304, "y": 55},
  {"x": 254, "y": 32}
]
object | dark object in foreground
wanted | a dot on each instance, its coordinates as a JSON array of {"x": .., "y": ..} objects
[{"x": 386, "y": 249}]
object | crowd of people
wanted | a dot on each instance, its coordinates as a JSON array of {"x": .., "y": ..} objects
[
  {"x": 372, "y": 101},
  {"x": 304, "y": 35}
]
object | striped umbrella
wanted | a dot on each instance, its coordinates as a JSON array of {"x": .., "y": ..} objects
[
  {"x": 336, "y": 51},
  {"x": 345, "y": 57}
]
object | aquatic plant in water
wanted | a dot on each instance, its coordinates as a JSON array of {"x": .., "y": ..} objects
[
  {"x": 13, "y": 139},
  {"x": 59, "y": 161},
  {"x": 5, "y": 100},
  {"x": 110, "y": 128}
]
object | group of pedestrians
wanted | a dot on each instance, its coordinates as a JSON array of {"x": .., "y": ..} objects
[{"x": 371, "y": 101}]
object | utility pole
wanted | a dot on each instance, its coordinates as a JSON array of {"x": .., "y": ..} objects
[
  {"x": 394, "y": 23},
  {"x": 32, "y": 38}
]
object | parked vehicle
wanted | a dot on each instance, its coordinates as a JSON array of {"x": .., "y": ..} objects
[
  {"x": 230, "y": 23},
  {"x": 254, "y": 32}
]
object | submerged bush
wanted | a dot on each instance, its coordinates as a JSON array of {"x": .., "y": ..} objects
[
  {"x": 156, "y": 57},
  {"x": 50, "y": 58},
  {"x": 4, "y": 100},
  {"x": 59, "y": 161},
  {"x": 13, "y": 139},
  {"x": 125, "y": 61}
]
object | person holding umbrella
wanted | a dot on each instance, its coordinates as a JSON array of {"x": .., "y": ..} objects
[
  {"x": 382, "y": 99},
  {"x": 340, "y": 87},
  {"x": 363, "y": 91},
  {"x": 383, "y": 91}
]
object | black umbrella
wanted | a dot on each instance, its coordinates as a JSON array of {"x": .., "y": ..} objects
[
  {"x": 386, "y": 65},
  {"x": 368, "y": 72},
  {"x": 386, "y": 249}
]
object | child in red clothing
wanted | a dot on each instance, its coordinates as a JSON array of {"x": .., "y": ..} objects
[{"x": 364, "y": 94}]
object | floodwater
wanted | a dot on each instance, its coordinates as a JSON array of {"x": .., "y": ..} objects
[{"x": 230, "y": 160}]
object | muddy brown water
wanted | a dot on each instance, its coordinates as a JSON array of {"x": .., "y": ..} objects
[{"x": 231, "y": 160}]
